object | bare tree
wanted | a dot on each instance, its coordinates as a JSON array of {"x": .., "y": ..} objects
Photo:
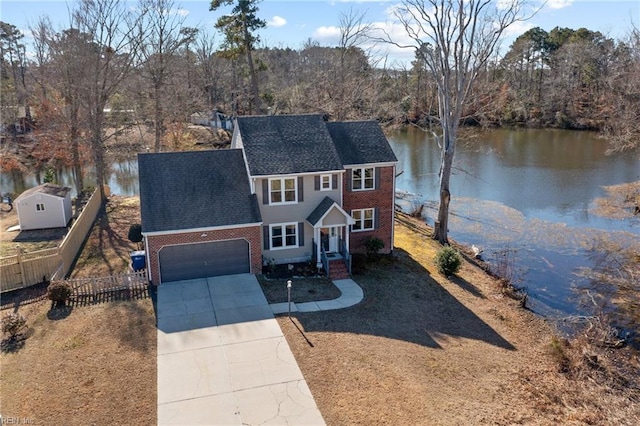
[
  {"x": 166, "y": 35},
  {"x": 114, "y": 31},
  {"x": 455, "y": 39}
]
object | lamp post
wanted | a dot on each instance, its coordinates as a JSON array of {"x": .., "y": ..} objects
[{"x": 289, "y": 295}]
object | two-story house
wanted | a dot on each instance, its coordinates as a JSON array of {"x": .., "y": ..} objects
[{"x": 292, "y": 188}]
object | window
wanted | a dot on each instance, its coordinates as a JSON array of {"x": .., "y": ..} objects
[
  {"x": 39, "y": 207},
  {"x": 325, "y": 183},
  {"x": 363, "y": 179},
  {"x": 363, "y": 218},
  {"x": 284, "y": 235},
  {"x": 282, "y": 191}
]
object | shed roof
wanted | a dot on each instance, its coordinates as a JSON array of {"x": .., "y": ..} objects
[
  {"x": 198, "y": 189},
  {"x": 46, "y": 188},
  {"x": 286, "y": 144}
]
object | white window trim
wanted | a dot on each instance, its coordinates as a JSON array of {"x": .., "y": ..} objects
[
  {"x": 322, "y": 177},
  {"x": 284, "y": 235},
  {"x": 362, "y": 178},
  {"x": 282, "y": 191},
  {"x": 40, "y": 207},
  {"x": 361, "y": 220}
]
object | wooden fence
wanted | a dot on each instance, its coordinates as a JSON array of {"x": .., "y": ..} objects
[
  {"x": 26, "y": 269},
  {"x": 131, "y": 284}
]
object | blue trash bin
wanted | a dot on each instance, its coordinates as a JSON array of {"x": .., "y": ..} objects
[{"x": 138, "y": 260}]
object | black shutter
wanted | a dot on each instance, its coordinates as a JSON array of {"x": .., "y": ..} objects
[
  {"x": 300, "y": 190},
  {"x": 265, "y": 237},
  {"x": 376, "y": 220},
  {"x": 265, "y": 191},
  {"x": 316, "y": 183},
  {"x": 334, "y": 181},
  {"x": 349, "y": 173},
  {"x": 300, "y": 234},
  {"x": 377, "y": 177}
]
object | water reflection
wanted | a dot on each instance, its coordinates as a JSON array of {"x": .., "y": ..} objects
[
  {"x": 527, "y": 189},
  {"x": 122, "y": 179}
]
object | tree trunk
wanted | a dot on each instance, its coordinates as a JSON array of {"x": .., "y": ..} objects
[
  {"x": 158, "y": 118},
  {"x": 74, "y": 135},
  {"x": 440, "y": 231},
  {"x": 254, "y": 78}
]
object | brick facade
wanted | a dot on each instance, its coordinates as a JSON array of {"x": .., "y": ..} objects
[
  {"x": 251, "y": 234},
  {"x": 382, "y": 199}
]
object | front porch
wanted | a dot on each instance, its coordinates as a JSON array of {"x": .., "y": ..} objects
[{"x": 331, "y": 239}]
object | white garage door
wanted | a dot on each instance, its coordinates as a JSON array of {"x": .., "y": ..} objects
[{"x": 189, "y": 261}]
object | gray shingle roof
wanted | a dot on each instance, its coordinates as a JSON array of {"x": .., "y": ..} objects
[
  {"x": 200, "y": 189},
  {"x": 360, "y": 142},
  {"x": 320, "y": 210},
  {"x": 283, "y": 144},
  {"x": 46, "y": 188}
]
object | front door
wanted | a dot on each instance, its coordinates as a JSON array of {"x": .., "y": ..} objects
[{"x": 333, "y": 239}]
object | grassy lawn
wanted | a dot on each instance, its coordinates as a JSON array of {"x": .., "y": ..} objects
[
  {"x": 421, "y": 349},
  {"x": 28, "y": 241},
  {"x": 92, "y": 364}
]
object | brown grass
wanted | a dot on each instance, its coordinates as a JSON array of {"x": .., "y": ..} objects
[
  {"x": 302, "y": 290},
  {"x": 85, "y": 365},
  {"x": 421, "y": 349},
  {"x": 27, "y": 240}
]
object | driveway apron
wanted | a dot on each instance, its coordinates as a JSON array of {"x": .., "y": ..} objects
[{"x": 223, "y": 360}]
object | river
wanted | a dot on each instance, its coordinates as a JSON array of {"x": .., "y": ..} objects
[{"x": 531, "y": 191}]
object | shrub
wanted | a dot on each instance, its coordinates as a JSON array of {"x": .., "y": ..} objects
[
  {"x": 373, "y": 246},
  {"x": 135, "y": 233},
  {"x": 59, "y": 292},
  {"x": 448, "y": 261},
  {"x": 12, "y": 323}
]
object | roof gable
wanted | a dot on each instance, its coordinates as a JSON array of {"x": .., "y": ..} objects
[
  {"x": 46, "y": 188},
  {"x": 324, "y": 208},
  {"x": 287, "y": 144},
  {"x": 199, "y": 189},
  {"x": 361, "y": 142}
]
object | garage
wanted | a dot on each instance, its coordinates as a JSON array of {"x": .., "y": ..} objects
[{"x": 190, "y": 261}]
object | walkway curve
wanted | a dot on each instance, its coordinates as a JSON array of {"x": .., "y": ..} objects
[{"x": 352, "y": 294}]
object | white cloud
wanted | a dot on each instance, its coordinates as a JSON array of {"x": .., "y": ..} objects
[
  {"x": 559, "y": 4},
  {"x": 327, "y": 35},
  {"x": 277, "y": 21}
]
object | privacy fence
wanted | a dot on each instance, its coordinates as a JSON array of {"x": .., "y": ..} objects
[{"x": 26, "y": 269}]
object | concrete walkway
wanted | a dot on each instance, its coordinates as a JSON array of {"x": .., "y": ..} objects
[
  {"x": 222, "y": 357},
  {"x": 351, "y": 295}
]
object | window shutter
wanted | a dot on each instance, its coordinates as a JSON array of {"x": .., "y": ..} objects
[
  {"x": 265, "y": 237},
  {"x": 316, "y": 183},
  {"x": 377, "y": 177},
  {"x": 300, "y": 190},
  {"x": 376, "y": 220},
  {"x": 334, "y": 181},
  {"x": 265, "y": 191},
  {"x": 349, "y": 173},
  {"x": 300, "y": 234}
]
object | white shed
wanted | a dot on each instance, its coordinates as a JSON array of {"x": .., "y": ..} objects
[{"x": 44, "y": 206}]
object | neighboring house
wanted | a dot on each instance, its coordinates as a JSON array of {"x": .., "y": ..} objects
[
  {"x": 292, "y": 188},
  {"x": 44, "y": 206}
]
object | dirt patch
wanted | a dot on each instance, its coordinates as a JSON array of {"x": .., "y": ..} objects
[
  {"x": 302, "y": 290},
  {"x": 107, "y": 249},
  {"x": 422, "y": 349}
]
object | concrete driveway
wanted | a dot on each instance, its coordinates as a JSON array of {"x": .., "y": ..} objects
[{"x": 223, "y": 360}]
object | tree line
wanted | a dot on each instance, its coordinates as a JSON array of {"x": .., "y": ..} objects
[{"x": 116, "y": 66}]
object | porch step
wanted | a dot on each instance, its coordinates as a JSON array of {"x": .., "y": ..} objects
[{"x": 338, "y": 270}]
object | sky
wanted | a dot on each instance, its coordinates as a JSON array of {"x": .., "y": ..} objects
[{"x": 292, "y": 22}]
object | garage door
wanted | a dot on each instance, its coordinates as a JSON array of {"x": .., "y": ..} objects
[{"x": 189, "y": 261}]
